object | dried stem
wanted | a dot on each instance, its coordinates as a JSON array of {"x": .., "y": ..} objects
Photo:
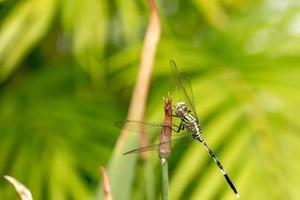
[
  {"x": 136, "y": 111},
  {"x": 138, "y": 100},
  {"x": 105, "y": 184}
]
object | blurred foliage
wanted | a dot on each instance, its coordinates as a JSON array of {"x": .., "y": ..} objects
[{"x": 67, "y": 69}]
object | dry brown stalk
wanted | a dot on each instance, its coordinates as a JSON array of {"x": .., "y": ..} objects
[
  {"x": 139, "y": 97},
  {"x": 105, "y": 184}
]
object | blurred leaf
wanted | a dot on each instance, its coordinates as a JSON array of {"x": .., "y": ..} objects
[
  {"x": 86, "y": 23},
  {"x": 130, "y": 16},
  {"x": 48, "y": 128},
  {"x": 213, "y": 12},
  {"x": 22, "y": 28}
]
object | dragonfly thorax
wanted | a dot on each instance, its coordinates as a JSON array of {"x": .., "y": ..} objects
[{"x": 181, "y": 109}]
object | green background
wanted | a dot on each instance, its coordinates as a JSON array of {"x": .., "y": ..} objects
[{"x": 67, "y": 71}]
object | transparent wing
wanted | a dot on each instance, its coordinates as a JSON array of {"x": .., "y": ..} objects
[
  {"x": 136, "y": 126},
  {"x": 154, "y": 147},
  {"x": 184, "y": 84}
]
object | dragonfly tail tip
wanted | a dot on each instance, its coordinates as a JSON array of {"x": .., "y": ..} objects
[{"x": 237, "y": 195}]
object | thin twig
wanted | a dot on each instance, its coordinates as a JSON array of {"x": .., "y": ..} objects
[
  {"x": 139, "y": 97},
  {"x": 105, "y": 184},
  {"x": 136, "y": 110}
]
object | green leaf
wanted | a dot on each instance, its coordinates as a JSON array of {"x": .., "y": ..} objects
[{"x": 20, "y": 31}]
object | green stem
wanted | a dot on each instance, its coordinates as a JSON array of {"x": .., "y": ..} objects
[{"x": 165, "y": 178}]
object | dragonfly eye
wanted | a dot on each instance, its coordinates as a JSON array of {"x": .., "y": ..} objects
[
  {"x": 180, "y": 108},
  {"x": 180, "y": 104}
]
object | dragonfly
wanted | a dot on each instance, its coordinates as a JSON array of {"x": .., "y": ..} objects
[{"x": 185, "y": 111}]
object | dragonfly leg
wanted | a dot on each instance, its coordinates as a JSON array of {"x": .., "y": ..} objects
[{"x": 181, "y": 127}]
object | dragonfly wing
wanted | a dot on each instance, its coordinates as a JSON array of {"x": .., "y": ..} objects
[
  {"x": 154, "y": 147},
  {"x": 137, "y": 126},
  {"x": 143, "y": 149},
  {"x": 184, "y": 84}
]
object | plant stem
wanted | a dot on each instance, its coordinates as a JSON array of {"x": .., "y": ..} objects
[
  {"x": 105, "y": 184},
  {"x": 164, "y": 149},
  {"x": 165, "y": 178}
]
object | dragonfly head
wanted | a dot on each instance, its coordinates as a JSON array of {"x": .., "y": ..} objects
[{"x": 180, "y": 109}]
